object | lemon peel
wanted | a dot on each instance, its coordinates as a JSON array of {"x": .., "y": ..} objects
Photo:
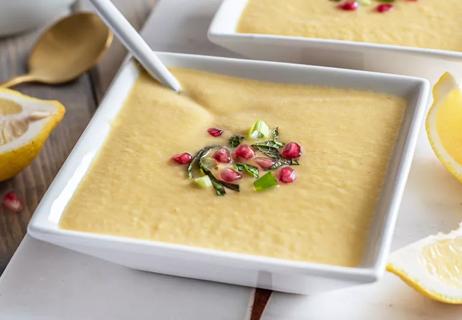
[
  {"x": 432, "y": 266},
  {"x": 444, "y": 124}
]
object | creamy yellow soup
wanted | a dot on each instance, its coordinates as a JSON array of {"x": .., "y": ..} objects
[
  {"x": 134, "y": 190},
  {"x": 424, "y": 23}
]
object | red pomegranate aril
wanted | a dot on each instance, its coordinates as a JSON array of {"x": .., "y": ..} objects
[
  {"x": 12, "y": 202},
  {"x": 349, "y": 5},
  {"x": 287, "y": 175},
  {"x": 182, "y": 158},
  {"x": 230, "y": 175},
  {"x": 244, "y": 151},
  {"x": 292, "y": 150},
  {"x": 264, "y": 163},
  {"x": 222, "y": 155},
  {"x": 384, "y": 7},
  {"x": 215, "y": 132}
]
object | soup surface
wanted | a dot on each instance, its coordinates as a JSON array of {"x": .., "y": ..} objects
[
  {"x": 425, "y": 23},
  {"x": 134, "y": 190}
]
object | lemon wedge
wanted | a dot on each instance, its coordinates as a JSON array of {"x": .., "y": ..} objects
[
  {"x": 432, "y": 266},
  {"x": 25, "y": 124},
  {"x": 444, "y": 124}
]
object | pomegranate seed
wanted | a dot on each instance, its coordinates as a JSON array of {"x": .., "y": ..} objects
[
  {"x": 230, "y": 175},
  {"x": 264, "y": 163},
  {"x": 12, "y": 202},
  {"x": 292, "y": 150},
  {"x": 287, "y": 175},
  {"x": 244, "y": 151},
  {"x": 384, "y": 7},
  {"x": 349, "y": 6},
  {"x": 222, "y": 155},
  {"x": 215, "y": 132},
  {"x": 182, "y": 158}
]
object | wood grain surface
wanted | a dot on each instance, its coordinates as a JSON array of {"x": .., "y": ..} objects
[{"x": 81, "y": 97}]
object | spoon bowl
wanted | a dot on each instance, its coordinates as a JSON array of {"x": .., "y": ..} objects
[{"x": 66, "y": 50}]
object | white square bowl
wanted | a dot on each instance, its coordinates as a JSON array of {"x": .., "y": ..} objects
[
  {"x": 228, "y": 267},
  {"x": 327, "y": 52}
]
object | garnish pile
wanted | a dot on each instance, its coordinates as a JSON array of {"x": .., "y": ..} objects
[
  {"x": 382, "y": 6},
  {"x": 264, "y": 158}
]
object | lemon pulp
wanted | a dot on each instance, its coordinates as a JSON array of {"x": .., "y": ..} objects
[
  {"x": 443, "y": 259},
  {"x": 25, "y": 124},
  {"x": 449, "y": 124}
]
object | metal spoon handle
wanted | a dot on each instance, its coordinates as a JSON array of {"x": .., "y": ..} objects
[
  {"x": 18, "y": 80},
  {"x": 132, "y": 40}
]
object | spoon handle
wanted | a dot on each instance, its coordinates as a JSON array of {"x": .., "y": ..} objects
[
  {"x": 135, "y": 43},
  {"x": 18, "y": 80}
]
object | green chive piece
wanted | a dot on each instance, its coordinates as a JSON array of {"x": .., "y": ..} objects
[
  {"x": 234, "y": 141},
  {"x": 203, "y": 182},
  {"x": 247, "y": 168},
  {"x": 365, "y": 2},
  {"x": 265, "y": 182},
  {"x": 259, "y": 130}
]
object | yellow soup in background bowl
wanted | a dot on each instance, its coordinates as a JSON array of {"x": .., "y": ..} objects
[{"x": 423, "y": 24}]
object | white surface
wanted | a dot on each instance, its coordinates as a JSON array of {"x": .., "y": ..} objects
[
  {"x": 227, "y": 267},
  {"x": 135, "y": 44},
  {"x": 347, "y": 54},
  {"x": 41, "y": 274},
  {"x": 48, "y": 282},
  {"x": 20, "y": 15}
]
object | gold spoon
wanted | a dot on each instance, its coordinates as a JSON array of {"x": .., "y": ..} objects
[{"x": 66, "y": 50}]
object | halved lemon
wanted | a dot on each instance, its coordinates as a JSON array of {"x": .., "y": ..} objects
[
  {"x": 444, "y": 124},
  {"x": 432, "y": 266},
  {"x": 25, "y": 124}
]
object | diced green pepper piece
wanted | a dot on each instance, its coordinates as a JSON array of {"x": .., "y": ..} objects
[{"x": 265, "y": 182}]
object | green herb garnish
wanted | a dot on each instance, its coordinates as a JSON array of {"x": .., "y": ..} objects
[
  {"x": 265, "y": 182},
  {"x": 284, "y": 162},
  {"x": 218, "y": 185},
  {"x": 196, "y": 159},
  {"x": 206, "y": 164},
  {"x": 275, "y": 134},
  {"x": 234, "y": 141},
  {"x": 247, "y": 168},
  {"x": 270, "y": 151}
]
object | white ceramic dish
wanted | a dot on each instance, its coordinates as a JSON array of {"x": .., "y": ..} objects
[
  {"x": 281, "y": 275},
  {"x": 338, "y": 53},
  {"x": 21, "y": 15}
]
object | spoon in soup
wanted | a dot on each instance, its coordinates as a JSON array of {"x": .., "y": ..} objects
[
  {"x": 66, "y": 50},
  {"x": 133, "y": 41}
]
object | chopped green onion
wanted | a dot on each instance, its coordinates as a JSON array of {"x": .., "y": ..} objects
[
  {"x": 259, "y": 130},
  {"x": 265, "y": 182},
  {"x": 203, "y": 182}
]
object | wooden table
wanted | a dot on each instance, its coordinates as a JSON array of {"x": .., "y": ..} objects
[{"x": 81, "y": 97}]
